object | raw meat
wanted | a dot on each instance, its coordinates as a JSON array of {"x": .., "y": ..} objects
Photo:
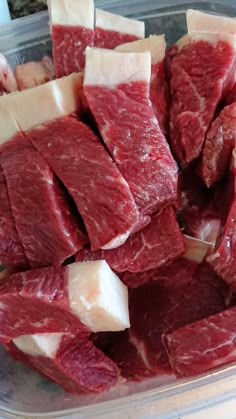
[
  {"x": 7, "y": 79},
  {"x": 223, "y": 259},
  {"x": 172, "y": 52},
  {"x": 49, "y": 65},
  {"x": 113, "y": 30},
  {"x": 158, "y": 243},
  {"x": 47, "y": 229},
  {"x": 202, "y": 76},
  {"x": 11, "y": 249},
  {"x": 201, "y": 346},
  {"x": 33, "y": 73},
  {"x": 219, "y": 144},
  {"x": 116, "y": 86},
  {"x": 197, "y": 250},
  {"x": 78, "y": 297},
  {"x": 72, "y": 30},
  {"x": 231, "y": 97},
  {"x": 182, "y": 293},
  {"x": 71, "y": 361},
  {"x": 100, "y": 192},
  {"x": 159, "y": 93}
]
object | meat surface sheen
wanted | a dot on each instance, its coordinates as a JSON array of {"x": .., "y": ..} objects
[
  {"x": 69, "y": 44},
  {"x": 203, "y": 345},
  {"x": 78, "y": 366},
  {"x": 219, "y": 144},
  {"x": 45, "y": 225},
  {"x": 135, "y": 142},
  {"x": 201, "y": 73},
  {"x": 11, "y": 249},
  {"x": 100, "y": 192},
  {"x": 158, "y": 243}
]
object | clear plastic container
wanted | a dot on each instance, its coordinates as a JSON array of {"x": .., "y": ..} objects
[{"x": 24, "y": 393}]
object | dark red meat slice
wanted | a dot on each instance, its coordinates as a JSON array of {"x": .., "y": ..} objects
[
  {"x": 101, "y": 194},
  {"x": 186, "y": 293},
  {"x": 11, "y": 249},
  {"x": 69, "y": 44},
  {"x": 203, "y": 345},
  {"x": 36, "y": 301},
  {"x": 219, "y": 144},
  {"x": 46, "y": 228},
  {"x": 78, "y": 366},
  {"x": 111, "y": 39},
  {"x": 160, "y": 96},
  {"x": 231, "y": 97},
  {"x": 158, "y": 243},
  {"x": 136, "y": 142},
  {"x": 201, "y": 77},
  {"x": 223, "y": 259}
]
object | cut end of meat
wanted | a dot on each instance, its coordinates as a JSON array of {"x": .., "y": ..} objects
[
  {"x": 43, "y": 103},
  {"x": 72, "y": 13},
  {"x": 114, "y": 68},
  {"x": 197, "y": 250},
  {"x": 113, "y": 22},
  {"x": 214, "y": 38},
  {"x": 44, "y": 344},
  {"x": 98, "y": 296},
  {"x": 205, "y": 22},
  {"x": 155, "y": 44}
]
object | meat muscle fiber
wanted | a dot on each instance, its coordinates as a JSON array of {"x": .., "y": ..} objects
[
  {"x": 100, "y": 192},
  {"x": 219, "y": 144},
  {"x": 76, "y": 364},
  {"x": 120, "y": 104},
  {"x": 113, "y": 30},
  {"x": 45, "y": 225},
  {"x": 72, "y": 29},
  {"x": 203, "y": 345},
  {"x": 181, "y": 293},
  {"x": 200, "y": 77},
  {"x": 158, "y": 243},
  {"x": 80, "y": 297},
  {"x": 11, "y": 249}
]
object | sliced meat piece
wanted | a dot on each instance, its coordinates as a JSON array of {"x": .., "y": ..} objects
[
  {"x": 159, "y": 92},
  {"x": 70, "y": 360},
  {"x": 219, "y": 144},
  {"x": 116, "y": 85},
  {"x": 72, "y": 30},
  {"x": 47, "y": 228},
  {"x": 7, "y": 79},
  {"x": 49, "y": 65},
  {"x": 11, "y": 249},
  {"x": 33, "y": 73},
  {"x": 158, "y": 243},
  {"x": 81, "y": 162},
  {"x": 203, "y": 345},
  {"x": 205, "y": 22},
  {"x": 202, "y": 76},
  {"x": 187, "y": 293},
  {"x": 223, "y": 260},
  {"x": 113, "y": 30},
  {"x": 197, "y": 250},
  {"x": 172, "y": 52},
  {"x": 82, "y": 296}
]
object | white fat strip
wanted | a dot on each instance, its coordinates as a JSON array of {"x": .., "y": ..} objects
[
  {"x": 45, "y": 344},
  {"x": 213, "y": 38},
  {"x": 205, "y": 22},
  {"x": 40, "y": 104},
  {"x": 117, "y": 241},
  {"x": 98, "y": 297},
  {"x": 155, "y": 44},
  {"x": 197, "y": 250},
  {"x": 110, "y": 68},
  {"x": 72, "y": 13},
  {"x": 112, "y": 22}
]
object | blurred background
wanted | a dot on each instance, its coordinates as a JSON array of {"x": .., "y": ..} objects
[{"x": 20, "y": 8}]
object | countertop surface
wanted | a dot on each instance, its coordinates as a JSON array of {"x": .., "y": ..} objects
[{"x": 20, "y": 8}]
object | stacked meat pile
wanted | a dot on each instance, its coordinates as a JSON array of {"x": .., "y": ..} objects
[{"x": 118, "y": 201}]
